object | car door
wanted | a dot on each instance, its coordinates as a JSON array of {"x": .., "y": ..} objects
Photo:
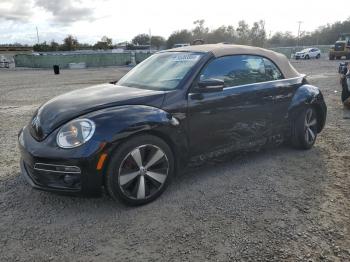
[
  {"x": 283, "y": 92},
  {"x": 313, "y": 53},
  {"x": 317, "y": 52},
  {"x": 237, "y": 117}
]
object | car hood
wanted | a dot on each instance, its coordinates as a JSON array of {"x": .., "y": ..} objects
[{"x": 68, "y": 106}]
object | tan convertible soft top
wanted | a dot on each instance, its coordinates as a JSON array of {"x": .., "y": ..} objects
[{"x": 224, "y": 49}]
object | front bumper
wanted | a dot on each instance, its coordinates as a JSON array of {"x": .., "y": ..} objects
[
  {"x": 49, "y": 180},
  {"x": 49, "y": 168}
]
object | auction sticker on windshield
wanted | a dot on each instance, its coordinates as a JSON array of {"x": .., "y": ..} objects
[{"x": 185, "y": 57}]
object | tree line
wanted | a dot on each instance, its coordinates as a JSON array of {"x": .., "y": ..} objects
[{"x": 243, "y": 33}]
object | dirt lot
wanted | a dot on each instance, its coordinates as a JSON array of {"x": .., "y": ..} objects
[{"x": 273, "y": 205}]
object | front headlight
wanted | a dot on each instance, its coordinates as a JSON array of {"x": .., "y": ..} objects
[
  {"x": 21, "y": 138},
  {"x": 75, "y": 133}
]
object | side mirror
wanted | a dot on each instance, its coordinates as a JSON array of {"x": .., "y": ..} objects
[{"x": 211, "y": 85}]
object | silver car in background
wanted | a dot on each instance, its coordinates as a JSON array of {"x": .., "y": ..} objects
[{"x": 308, "y": 53}]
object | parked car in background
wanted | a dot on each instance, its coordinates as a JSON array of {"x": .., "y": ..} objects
[
  {"x": 181, "y": 45},
  {"x": 308, "y": 53},
  {"x": 192, "y": 102}
]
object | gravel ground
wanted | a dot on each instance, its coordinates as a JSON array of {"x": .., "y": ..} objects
[{"x": 276, "y": 204}]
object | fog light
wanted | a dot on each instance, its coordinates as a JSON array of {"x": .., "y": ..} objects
[{"x": 70, "y": 179}]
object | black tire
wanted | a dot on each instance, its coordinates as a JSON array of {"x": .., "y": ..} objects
[
  {"x": 304, "y": 129},
  {"x": 128, "y": 189},
  {"x": 318, "y": 56},
  {"x": 307, "y": 57}
]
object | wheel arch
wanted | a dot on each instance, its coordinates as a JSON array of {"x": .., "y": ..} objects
[
  {"x": 178, "y": 155},
  {"x": 180, "y": 152},
  {"x": 321, "y": 119},
  {"x": 117, "y": 124},
  {"x": 308, "y": 95}
]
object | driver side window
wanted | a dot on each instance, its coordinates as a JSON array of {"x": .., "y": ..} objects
[{"x": 240, "y": 70}]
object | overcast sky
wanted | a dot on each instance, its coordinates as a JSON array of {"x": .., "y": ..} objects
[{"x": 89, "y": 20}]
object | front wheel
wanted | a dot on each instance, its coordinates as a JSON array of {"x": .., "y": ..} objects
[
  {"x": 307, "y": 57},
  {"x": 304, "y": 129},
  {"x": 140, "y": 170},
  {"x": 318, "y": 56}
]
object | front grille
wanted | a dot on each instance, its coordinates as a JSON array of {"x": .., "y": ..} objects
[
  {"x": 339, "y": 47},
  {"x": 50, "y": 177}
]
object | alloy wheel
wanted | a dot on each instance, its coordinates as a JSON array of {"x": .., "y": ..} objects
[
  {"x": 143, "y": 172},
  {"x": 310, "y": 126}
]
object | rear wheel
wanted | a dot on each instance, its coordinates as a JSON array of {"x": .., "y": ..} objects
[
  {"x": 140, "y": 170},
  {"x": 304, "y": 129}
]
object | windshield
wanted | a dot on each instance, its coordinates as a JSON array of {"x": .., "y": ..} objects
[
  {"x": 305, "y": 50},
  {"x": 162, "y": 71}
]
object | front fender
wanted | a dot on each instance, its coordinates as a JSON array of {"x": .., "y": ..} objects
[
  {"x": 117, "y": 123},
  {"x": 308, "y": 95}
]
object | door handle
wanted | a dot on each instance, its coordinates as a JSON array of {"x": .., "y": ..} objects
[
  {"x": 196, "y": 96},
  {"x": 269, "y": 98}
]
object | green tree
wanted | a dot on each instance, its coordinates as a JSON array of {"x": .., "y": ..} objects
[
  {"x": 158, "y": 42},
  {"x": 222, "y": 34},
  {"x": 327, "y": 34},
  {"x": 104, "y": 43},
  {"x": 258, "y": 34},
  {"x": 141, "y": 39},
  {"x": 42, "y": 47},
  {"x": 179, "y": 37},
  {"x": 70, "y": 43},
  {"x": 200, "y": 31},
  {"x": 85, "y": 46},
  {"x": 54, "y": 46},
  {"x": 243, "y": 33},
  {"x": 280, "y": 39}
]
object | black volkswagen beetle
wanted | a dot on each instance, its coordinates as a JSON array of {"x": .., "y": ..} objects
[{"x": 131, "y": 136}]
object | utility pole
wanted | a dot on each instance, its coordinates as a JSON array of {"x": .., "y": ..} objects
[
  {"x": 299, "y": 22},
  {"x": 150, "y": 40},
  {"x": 37, "y": 34}
]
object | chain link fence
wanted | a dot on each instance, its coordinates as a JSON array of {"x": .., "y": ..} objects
[{"x": 63, "y": 60}]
